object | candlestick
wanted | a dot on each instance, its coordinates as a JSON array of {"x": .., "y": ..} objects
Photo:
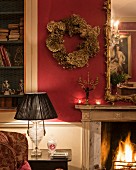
[{"x": 87, "y": 85}]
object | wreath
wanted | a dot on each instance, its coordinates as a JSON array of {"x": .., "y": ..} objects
[{"x": 72, "y": 26}]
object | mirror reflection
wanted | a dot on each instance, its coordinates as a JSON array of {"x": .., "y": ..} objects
[{"x": 121, "y": 54}]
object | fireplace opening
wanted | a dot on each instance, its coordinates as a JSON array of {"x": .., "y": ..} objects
[{"x": 118, "y": 145}]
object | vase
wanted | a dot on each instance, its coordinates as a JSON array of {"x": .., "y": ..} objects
[{"x": 51, "y": 144}]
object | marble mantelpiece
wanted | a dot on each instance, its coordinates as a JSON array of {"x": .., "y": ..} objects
[{"x": 92, "y": 116}]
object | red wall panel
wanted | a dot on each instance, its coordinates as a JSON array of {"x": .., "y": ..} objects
[{"x": 61, "y": 84}]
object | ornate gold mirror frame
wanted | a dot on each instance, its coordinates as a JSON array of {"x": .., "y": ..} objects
[{"x": 108, "y": 94}]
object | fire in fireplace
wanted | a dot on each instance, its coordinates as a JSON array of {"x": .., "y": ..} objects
[
  {"x": 118, "y": 150},
  {"x": 125, "y": 156}
]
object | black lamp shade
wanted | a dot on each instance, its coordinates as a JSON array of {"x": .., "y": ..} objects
[{"x": 35, "y": 106}]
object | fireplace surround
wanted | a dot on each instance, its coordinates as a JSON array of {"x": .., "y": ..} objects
[{"x": 92, "y": 117}]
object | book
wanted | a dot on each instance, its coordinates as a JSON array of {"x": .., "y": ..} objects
[
  {"x": 21, "y": 28},
  {"x": 13, "y": 26},
  {"x": 4, "y": 33},
  {"x": 14, "y": 31},
  {"x": 3, "y": 36},
  {"x": 5, "y": 56},
  {"x": 1, "y": 61},
  {"x": 14, "y": 36},
  {"x": 21, "y": 22},
  {"x": 4, "y": 30},
  {"x": 22, "y": 37},
  {"x": 13, "y": 39},
  {"x": 59, "y": 155},
  {"x": 21, "y": 32},
  {"x": 3, "y": 39}
]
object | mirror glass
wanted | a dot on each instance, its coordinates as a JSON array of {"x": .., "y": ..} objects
[{"x": 121, "y": 50}]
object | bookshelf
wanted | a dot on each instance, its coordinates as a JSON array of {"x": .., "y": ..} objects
[{"x": 11, "y": 53}]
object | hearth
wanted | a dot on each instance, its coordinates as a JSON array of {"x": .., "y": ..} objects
[
  {"x": 95, "y": 118},
  {"x": 118, "y": 147}
]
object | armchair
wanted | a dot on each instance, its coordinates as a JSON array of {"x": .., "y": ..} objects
[{"x": 13, "y": 150}]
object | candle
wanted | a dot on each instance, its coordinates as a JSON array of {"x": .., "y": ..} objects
[
  {"x": 116, "y": 24},
  {"x": 79, "y": 101},
  {"x": 98, "y": 102},
  {"x": 112, "y": 23}
]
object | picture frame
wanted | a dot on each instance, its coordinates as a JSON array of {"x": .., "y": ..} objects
[
  {"x": 125, "y": 46},
  {"x": 120, "y": 55}
]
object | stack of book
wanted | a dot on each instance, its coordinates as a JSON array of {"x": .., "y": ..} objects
[
  {"x": 4, "y": 34},
  {"x": 4, "y": 57},
  {"x": 59, "y": 155},
  {"x": 13, "y": 32}
]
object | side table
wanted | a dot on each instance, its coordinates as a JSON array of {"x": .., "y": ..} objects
[{"x": 45, "y": 162}]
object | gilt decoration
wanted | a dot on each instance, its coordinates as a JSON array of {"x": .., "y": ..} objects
[{"x": 109, "y": 97}]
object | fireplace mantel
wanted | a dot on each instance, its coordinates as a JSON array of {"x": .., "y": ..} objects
[
  {"x": 107, "y": 113},
  {"x": 92, "y": 116}
]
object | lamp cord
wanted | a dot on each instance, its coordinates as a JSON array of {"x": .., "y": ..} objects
[
  {"x": 28, "y": 129},
  {"x": 36, "y": 139},
  {"x": 44, "y": 132}
]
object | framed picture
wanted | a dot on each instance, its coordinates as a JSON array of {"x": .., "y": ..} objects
[
  {"x": 120, "y": 55},
  {"x": 125, "y": 47}
]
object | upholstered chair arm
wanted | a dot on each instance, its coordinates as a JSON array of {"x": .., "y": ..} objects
[{"x": 7, "y": 157}]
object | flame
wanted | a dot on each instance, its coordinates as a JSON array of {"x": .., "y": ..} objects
[
  {"x": 125, "y": 157},
  {"x": 105, "y": 146}
]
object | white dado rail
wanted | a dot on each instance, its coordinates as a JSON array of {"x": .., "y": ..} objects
[{"x": 92, "y": 116}]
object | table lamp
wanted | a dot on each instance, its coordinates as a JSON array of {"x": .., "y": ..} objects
[{"x": 36, "y": 107}]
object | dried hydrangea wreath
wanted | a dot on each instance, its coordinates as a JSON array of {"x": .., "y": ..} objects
[{"x": 72, "y": 26}]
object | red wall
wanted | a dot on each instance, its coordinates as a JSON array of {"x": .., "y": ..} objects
[{"x": 61, "y": 84}]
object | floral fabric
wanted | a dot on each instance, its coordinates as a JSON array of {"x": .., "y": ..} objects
[
  {"x": 7, "y": 157},
  {"x": 17, "y": 147},
  {"x": 3, "y": 138}
]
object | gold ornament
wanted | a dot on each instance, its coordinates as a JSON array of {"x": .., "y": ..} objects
[{"x": 72, "y": 26}]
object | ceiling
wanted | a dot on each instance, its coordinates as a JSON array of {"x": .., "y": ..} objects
[{"x": 123, "y": 9}]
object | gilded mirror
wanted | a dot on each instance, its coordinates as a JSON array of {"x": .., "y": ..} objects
[{"x": 120, "y": 31}]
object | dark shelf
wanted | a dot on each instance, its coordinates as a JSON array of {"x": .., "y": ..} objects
[
  {"x": 11, "y": 42},
  {"x": 12, "y": 67},
  {"x": 13, "y": 95},
  {"x": 12, "y": 13}
]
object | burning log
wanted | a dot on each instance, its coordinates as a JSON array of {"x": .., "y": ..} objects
[{"x": 122, "y": 165}]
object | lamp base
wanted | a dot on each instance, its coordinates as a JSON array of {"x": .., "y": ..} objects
[
  {"x": 36, "y": 152},
  {"x": 36, "y": 133}
]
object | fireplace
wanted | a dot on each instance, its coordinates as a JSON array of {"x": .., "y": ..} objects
[
  {"x": 94, "y": 117},
  {"x": 118, "y": 145}
]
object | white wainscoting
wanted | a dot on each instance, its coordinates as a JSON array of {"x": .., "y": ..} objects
[{"x": 67, "y": 134}]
